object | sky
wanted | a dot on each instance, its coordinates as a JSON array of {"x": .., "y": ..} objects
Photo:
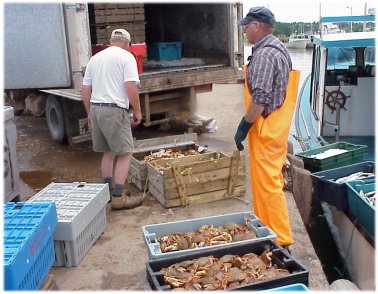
[{"x": 309, "y": 10}]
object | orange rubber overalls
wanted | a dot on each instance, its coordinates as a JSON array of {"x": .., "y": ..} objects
[{"x": 267, "y": 141}]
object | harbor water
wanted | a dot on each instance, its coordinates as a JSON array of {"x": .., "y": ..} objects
[{"x": 318, "y": 229}]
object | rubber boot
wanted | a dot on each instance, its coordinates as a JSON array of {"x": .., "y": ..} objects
[{"x": 125, "y": 202}]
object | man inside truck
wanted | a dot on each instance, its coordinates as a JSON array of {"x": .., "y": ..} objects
[{"x": 110, "y": 85}]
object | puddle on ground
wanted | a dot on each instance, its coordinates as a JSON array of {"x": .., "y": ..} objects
[{"x": 37, "y": 179}]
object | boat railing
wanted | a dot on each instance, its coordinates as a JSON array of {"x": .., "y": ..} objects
[{"x": 328, "y": 24}]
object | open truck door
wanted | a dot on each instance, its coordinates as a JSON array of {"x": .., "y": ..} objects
[
  {"x": 35, "y": 46},
  {"x": 42, "y": 52}
]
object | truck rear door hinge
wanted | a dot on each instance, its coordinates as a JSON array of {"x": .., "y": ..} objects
[
  {"x": 77, "y": 6},
  {"x": 78, "y": 72}
]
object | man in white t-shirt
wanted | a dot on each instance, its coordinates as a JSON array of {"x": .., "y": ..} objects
[{"x": 110, "y": 85}]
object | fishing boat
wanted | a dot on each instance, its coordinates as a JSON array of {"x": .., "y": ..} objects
[
  {"x": 298, "y": 41},
  {"x": 331, "y": 28},
  {"x": 336, "y": 104}
]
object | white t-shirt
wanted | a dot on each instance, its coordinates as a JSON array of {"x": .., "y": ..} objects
[{"x": 107, "y": 71}]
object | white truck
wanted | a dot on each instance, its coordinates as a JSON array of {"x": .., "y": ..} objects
[{"x": 47, "y": 47}]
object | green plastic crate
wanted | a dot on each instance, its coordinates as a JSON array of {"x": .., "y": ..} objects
[{"x": 354, "y": 154}]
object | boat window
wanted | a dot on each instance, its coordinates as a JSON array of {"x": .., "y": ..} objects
[
  {"x": 341, "y": 58},
  {"x": 369, "y": 56}
]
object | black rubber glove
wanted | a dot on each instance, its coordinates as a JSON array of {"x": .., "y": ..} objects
[{"x": 241, "y": 133}]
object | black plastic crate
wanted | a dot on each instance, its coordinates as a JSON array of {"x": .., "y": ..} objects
[
  {"x": 326, "y": 190},
  {"x": 298, "y": 274}
]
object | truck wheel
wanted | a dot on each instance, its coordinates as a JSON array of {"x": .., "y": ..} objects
[{"x": 55, "y": 120}]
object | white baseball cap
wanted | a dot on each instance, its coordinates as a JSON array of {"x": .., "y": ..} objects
[{"x": 122, "y": 34}]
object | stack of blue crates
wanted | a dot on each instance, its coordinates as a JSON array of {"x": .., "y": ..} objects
[{"x": 28, "y": 244}]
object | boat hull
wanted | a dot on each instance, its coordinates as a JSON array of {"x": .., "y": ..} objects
[
  {"x": 358, "y": 253},
  {"x": 297, "y": 44}
]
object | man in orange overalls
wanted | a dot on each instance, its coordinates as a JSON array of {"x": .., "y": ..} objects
[{"x": 270, "y": 97}]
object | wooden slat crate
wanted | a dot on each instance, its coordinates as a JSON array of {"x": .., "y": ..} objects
[
  {"x": 138, "y": 167},
  {"x": 104, "y": 6},
  {"x": 136, "y": 30},
  {"x": 110, "y": 16},
  {"x": 197, "y": 179}
]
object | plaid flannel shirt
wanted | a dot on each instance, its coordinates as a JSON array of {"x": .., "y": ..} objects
[{"x": 268, "y": 73}]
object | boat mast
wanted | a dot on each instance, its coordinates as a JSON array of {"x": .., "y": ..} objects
[{"x": 364, "y": 23}]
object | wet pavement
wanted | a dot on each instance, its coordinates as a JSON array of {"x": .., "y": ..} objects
[{"x": 117, "y": 260}]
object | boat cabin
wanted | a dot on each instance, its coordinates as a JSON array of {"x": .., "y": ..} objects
[{"x": 336, "y": 102}]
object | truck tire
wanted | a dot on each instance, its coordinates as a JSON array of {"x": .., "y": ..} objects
[{"x": 55, "y": 119}]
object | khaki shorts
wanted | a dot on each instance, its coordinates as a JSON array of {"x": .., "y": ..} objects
[{"x": 111, "y": 130}]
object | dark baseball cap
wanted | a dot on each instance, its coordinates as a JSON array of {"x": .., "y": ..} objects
[{"x": 260, "y": 14}]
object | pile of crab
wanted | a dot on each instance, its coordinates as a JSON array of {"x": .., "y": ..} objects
[
  {"x": 206, "y": 235},
  {"x": 227, "y": 272},
  {"x": 169, "y": 153}
]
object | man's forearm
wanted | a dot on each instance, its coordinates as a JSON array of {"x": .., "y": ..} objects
[
  {"x": 253, "y": 112},
  {"x": 132, "y": 93},
  {"x": 86, "y": 95}
]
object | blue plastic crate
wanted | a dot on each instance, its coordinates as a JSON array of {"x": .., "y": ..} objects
[
  {"x": 28, "y": 244},
  {"x": 359, "y": 207},
  {"x": 289, "y": 288},
  {"x": 164, "y": 51}
]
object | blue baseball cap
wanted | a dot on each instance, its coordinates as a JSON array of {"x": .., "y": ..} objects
[{"x": 260, "y": 14}]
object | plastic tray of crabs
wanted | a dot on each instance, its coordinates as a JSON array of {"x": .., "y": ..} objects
[
  {"x": 193, "y": 235},
  {"x": 257, "y": 266}
]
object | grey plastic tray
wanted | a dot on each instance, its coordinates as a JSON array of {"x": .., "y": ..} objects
[{"x": 152, "y": 232}]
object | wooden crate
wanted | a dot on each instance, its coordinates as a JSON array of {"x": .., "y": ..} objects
[
  {"x": 197, "y": 179},
  {"x": 138, "y": 167},
  {"x": 110, "y": 16},
  {"x": 136, "y": 30}
]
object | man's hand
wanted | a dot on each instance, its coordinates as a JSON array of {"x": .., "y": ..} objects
[
  {"x": 137, "y": 118},
  {"x": 241, "y": 133}
]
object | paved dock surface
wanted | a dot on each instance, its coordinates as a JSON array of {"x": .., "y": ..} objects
[{"x": 117, "y": 260}]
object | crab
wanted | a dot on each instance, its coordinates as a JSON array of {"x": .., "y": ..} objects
[
  {"x": 271, "y": 273},
  {"x": 183, "y": 243},
  {"x": 221, "y": 239},
  {"x": 206, "y": 235},
  {"x": 241, "y": 236},
  {"x": 266, "y": 257},
  {"x": 206, "y": 261}
]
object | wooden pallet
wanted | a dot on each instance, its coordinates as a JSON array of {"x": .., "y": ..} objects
[{"x": 198, "y": 179}]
